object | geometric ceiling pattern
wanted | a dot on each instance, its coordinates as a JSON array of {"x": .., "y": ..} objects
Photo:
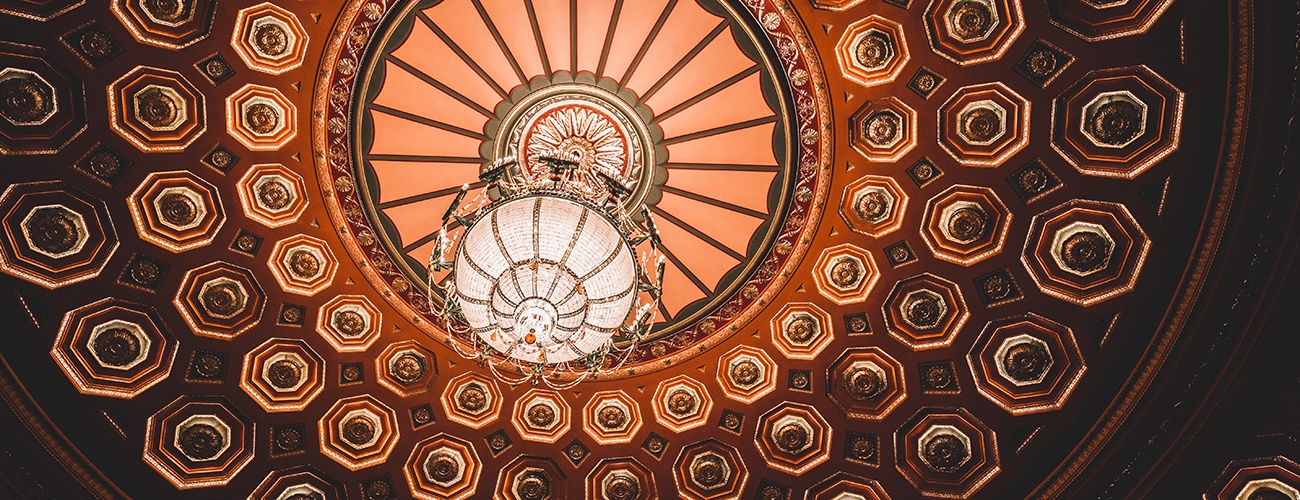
[{"x": 914, "y": 248}]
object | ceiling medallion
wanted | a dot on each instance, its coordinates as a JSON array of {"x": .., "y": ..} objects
[
  {"x": 411, "y": 124},
  {"x": 603, "y": 128}
]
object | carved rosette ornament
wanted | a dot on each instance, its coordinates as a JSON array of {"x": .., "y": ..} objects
[
  {"x": 261, "y": 118},
  {"x": 973, "y": 31},
  {"x": 283, "y": 375},
  {"x": 710, "y": 469},
  {"x": 168, "y": 24},
  {"x": 443, "y": 467},
  {"x": 157, "y": 109},
  {"x": 472, "y": 400},
  {"x": 358, "y": 432},
  {"x": 793, "y": 438},
  {"x": 542, "y": 416},
  {"x": 269, "y": 39},
  {"x": 25, "y": 97},
  {"x": 947, "y": 454},
  {"x": 682, "y": 403},
  {"x": 198, "y": 442},
  {"x": 406, "y": 368},
  {"x": 350, "y": 323},
  {"x": 611, "y": 417}
]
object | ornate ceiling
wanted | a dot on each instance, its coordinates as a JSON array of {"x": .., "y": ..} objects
[{"x": 941, "y": 249}]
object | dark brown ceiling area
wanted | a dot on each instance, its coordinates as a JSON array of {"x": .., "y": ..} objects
[{"x": 911, "y": 248}]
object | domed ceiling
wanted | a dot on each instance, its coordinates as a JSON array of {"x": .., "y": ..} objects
[{"x": 912, "y": 248}]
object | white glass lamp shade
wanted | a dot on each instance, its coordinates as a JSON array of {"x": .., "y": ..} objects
[{"x": 544, "y": 279}]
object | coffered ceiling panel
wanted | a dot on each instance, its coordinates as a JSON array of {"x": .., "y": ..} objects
[{"x": 911, "y": 248}]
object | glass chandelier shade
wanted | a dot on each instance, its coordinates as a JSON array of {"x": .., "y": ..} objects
[{"x": 546, "y": 278}]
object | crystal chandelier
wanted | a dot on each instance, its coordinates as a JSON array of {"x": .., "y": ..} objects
[{"x": 546, "y": 283}]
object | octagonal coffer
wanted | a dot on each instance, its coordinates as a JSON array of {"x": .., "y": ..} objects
[
  {"x": 358, "y": 432},
  {"x": 407, "y": 368},
  {"x": 611, "y": 417},
  {"x": 303, "y": 265},
  {"x": 1118, "y": 122},
  {"x": 746, "y": 374},
  {"x": 114, "y": 348},
  {"x": 884, "y": 130},
  {"x": 984, "y": 125},
  {"x": 283, "y": 375},
  {"x": 845, "y": 486},
  {"x": 973, "y": 31},
  {"x": 350, "y": 323},
  {"x": 272, "y": 194},
  {"x": 682, "y": 403},
  {"x": 177, "y": 210},
  {"x": 53, "y": 235},
  {"x": 946, "y": 452},
  {"x": 866, "y": 383},
  {"x": 1095, "y": 20},
  {"x": 872, "y": 51},
  {"x": 621, "y": 479},
  {"x": 1252, "y": 478},
  {"x": 845, "y": 274},
  {"x": 794, "y": 438},
  {"x": 284, "y": 484},
  {"x": 710, "y": 470},
  {"x": 1027, "y": 364},
  {"x": 198, "y": 442},
  {"x": 542, "y": 416},
  {"x": 44, "y": 105},
  {"x": 966, "y": 224},
  {"x": 261, "y": 118},
  {"x": 169, "y": 25},
  {"x": 801, "y": 330},
  {"x": 220, "y": 300},
  {"x": 443, "y": 467},
  {"x": 472, "y": 400},
  {"x": 269, "y": 39},
  {"x": 873, "y": 205},
  {"x": 925, "y": 312},
  {"x": 528, "y": 477},
  {"x": 1085, "y": 251},
  {"x": 156, "y": 109}
]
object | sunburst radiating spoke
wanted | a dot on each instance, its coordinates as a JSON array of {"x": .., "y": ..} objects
[
  {"x": 685, "y": 270},
  {"x": 537, "y": 33},
  {"x": 654, "y": 32},
  {"x": 700, "y": 234},
  {"x": 683, "y": 62},
  {"x": 432, "y": 123},
  {"x": 422, "y": 158},
  {"x": 716, "y": 202},
  {"x": 707, "y": 93},
  {"x": 720, "y": 130},
  {"x": 460, "y": 52},
  {"x": 501, "y": 42},
  {"x": 440, "y": 86},
  {"x": 430, "y": 195},
  {"x": 609, "y": 37},
  {"x": 711, "y": 166}
]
